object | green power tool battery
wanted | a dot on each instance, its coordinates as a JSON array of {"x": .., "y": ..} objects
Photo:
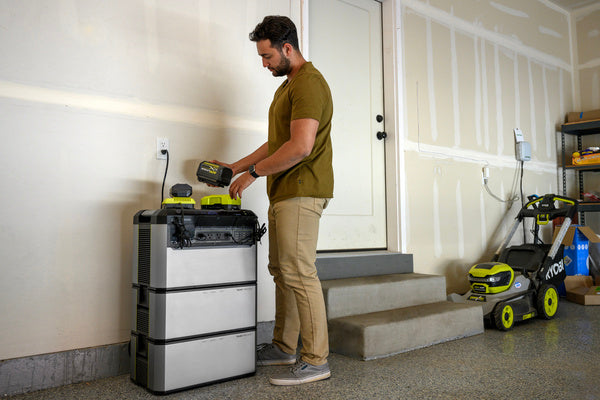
[{"x": 214, "y": 174}]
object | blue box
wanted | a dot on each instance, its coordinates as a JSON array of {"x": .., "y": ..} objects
[{"x": 576, "y": 250}]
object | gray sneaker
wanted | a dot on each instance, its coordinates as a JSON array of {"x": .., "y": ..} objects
[
  {"x": 270, "y": 354},
  {"x": 302, "y": 372}
]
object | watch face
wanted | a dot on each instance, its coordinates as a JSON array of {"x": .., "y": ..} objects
[{"x": 252, "y": 171}]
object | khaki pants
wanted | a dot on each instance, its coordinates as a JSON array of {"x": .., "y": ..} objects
[{"x": 299, "y": 303}]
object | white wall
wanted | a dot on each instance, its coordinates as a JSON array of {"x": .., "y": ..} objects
[
  {"x": 587, "y": 24},
  {"x": 86, "y": 87},
  {"x": 472, "y": 72}
]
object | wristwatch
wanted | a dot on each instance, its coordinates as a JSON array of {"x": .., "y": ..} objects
[{"x": 252, "y": 171}]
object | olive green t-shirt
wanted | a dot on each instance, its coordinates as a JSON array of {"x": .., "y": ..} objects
[{"x": 307, "y": 95}]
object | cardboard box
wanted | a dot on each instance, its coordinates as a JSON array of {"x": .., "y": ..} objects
[
  {"x": 583, "y": 116},
  {"x": 582, "y": 290},
  {"x": 576, "y": 250}
]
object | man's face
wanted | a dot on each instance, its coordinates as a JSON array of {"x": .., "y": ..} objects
[{"x": 273, "y": 59}]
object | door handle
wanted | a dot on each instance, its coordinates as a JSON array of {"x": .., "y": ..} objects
[{"x": 381, "y": 135}]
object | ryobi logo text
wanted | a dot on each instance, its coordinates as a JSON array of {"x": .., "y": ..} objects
[{"x": 554, "y": 270}]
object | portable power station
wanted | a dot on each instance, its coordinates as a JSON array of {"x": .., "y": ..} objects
[{"x": 193, "y": 297}]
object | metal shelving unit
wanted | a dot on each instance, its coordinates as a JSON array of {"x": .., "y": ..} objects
[{"x": 579, "y": 129}]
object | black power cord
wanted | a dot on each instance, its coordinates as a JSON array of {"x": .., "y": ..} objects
[
  {"x": 259, "y": 231},
  {"x": 523, "y": 203},
  {"x": 162, "y": 192},
  {"x": 184, "y": 237}
]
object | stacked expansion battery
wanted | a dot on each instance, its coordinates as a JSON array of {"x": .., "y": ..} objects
[{"x": 194, "y": 297}]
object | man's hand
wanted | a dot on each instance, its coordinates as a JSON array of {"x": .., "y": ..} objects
[
  {"x": 240, "y": 184},
  {"x": 230, "y": 166}
]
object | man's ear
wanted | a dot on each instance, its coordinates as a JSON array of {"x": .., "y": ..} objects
[{"x": 287, "y": 49}]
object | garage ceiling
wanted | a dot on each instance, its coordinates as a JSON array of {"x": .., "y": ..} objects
[{"x": 571, "y": 5}]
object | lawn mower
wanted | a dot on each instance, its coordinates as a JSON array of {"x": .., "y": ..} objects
[{"x": 521, "y": 281}]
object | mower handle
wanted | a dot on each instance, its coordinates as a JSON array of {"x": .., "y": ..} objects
[{"x": 547, "y": 210}]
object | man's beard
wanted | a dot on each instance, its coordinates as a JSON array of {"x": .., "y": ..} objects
[{"x": 283, "y": 68}]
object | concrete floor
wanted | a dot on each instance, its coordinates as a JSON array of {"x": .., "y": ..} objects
[{"x": 557, "y": 359}]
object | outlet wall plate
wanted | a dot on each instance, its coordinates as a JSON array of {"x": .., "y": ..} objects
[{"x": 161, "y": 144}]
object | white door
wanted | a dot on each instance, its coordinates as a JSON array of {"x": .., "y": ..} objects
[{"x": 345, "y": 44}]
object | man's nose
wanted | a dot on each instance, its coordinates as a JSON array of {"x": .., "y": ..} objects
[{"x": 265, "y": 64}]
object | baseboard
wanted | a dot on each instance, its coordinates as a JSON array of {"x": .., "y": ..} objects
[
  {"x": 28, "y": 374},
  {"x": 264, "y": 332},
  {"x": 45, "y": 371}
]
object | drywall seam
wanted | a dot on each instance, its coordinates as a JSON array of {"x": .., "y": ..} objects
[
  {"x": 509, "y": 10},
  {"x": 532, "y": 107},
  {"x": 590, "y": 64},
  {"x": 431, "y": 83},
  {"x": 431, "y": 12},
  {"x": 485, "y": 98},
  {"x": 549, "y": 32},
  {"x": 499, "y": 113},
  {"x": 549, "y": 127},
  {"x": 477, "y": 101},
  {"x": 460, "y": 226},
  {"x": 437, "y": 236},
  {"x": 475, "y": 157},
  {"x": 137, "y": 109},
  {"x": 575, "y": 90},
  {"x": 561, "y": 96},
  {"x": 455, "y": 96}
]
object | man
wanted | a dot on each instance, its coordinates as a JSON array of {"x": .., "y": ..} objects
[{"x": 296, "y": 160}]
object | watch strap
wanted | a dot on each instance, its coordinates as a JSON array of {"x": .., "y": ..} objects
[{"x": 252, "y": 171}]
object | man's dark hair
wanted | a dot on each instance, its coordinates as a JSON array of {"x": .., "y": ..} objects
[{"x": 278, "y": 29}]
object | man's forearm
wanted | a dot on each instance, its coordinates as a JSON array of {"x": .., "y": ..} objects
[
  {"x": 258, "y": 155},
  {"x": 284, "y": 158}
]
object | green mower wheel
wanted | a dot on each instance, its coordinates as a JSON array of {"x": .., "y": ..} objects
[
  {"x": 547, "y": 301},
  {"x": 504, "y": 317}
]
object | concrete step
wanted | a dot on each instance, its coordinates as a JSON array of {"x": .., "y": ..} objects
[
  {"x": 384, "y": 333},
  {"x": 352, "y": 296},
  {"x": 352, "y": 264}
]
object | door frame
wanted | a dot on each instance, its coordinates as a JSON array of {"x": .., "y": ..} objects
[
  {"x": 395, "y": 125},
  {"x": 395, "y": 121}
]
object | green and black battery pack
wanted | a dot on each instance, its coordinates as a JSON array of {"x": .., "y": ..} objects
[
  {"x": 220, "y": 202},
  {"x": 181, "y": 197},
  {"x": 214, "y": 174}
]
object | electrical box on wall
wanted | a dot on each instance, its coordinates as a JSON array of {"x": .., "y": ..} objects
[
  {"x": 523, "y": 151},
  {"x": 522, "y": 148}
]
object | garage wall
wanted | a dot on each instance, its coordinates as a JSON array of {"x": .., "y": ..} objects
[
  {"x": 588, "y": 50},
  {"x": 474, "y": 71},
  {"x": 86, "y": 87}
]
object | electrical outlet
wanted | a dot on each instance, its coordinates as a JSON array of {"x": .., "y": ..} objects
[
  {"x": 161, "y": 144},
  {"x": 485, "y": 174}
]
